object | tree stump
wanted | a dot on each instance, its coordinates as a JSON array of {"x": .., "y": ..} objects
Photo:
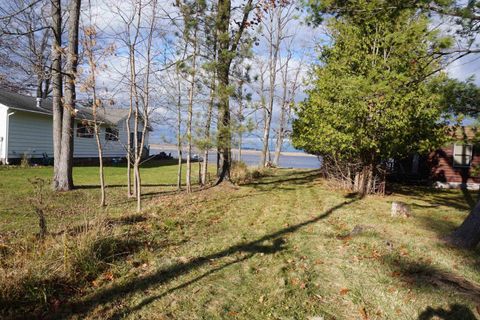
[{"x": 401, "y": 209}]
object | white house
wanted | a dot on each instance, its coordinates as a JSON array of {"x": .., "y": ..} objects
[{"x": 26, "y": 129}]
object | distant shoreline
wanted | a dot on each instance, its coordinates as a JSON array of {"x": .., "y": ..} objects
[{"x": 172, "y": 147}]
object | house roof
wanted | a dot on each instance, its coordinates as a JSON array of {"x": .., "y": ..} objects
[{"x": 26, "y": 103}]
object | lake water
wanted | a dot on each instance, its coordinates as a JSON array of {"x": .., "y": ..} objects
[{"x": 298, "y": 162}]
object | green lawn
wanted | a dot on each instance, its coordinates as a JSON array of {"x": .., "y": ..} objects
[{"x": 277, "y": 248}]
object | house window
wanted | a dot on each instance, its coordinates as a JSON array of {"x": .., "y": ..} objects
[
  {"x": 111, "y": 134},
  {"x": 462, "y": 155},
  {"x": 84, "y": 130}
]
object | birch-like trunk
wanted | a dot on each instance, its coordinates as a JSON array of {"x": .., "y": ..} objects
[
  {"x": 101, "y": 172},
  {"x": 179, "y": 135},
  {"x": 190, "y": 113},
  {"x": 284, "y": 105},
  {"x": 208, "y": 123},
  {"x": 274, "y": 38}
]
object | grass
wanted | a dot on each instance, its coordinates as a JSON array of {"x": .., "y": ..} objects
[{"x": 277, "y": 248}]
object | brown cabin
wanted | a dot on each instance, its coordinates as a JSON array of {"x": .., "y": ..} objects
[
  {"x": 458, "y": 163},
  {"x": 455, "y": 165}
]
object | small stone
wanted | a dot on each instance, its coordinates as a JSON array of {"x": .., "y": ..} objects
[{"x": 401, "y": 209}]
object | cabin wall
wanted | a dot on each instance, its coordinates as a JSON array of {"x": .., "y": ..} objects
[
  {"x": 31, "y": 133},
  {"x": 442, "y": 169}
]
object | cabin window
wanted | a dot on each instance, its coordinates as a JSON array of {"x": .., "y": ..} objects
[
  {"x": 111, "y": 134},
  {"x": 462, "y": 155},
  {"x": 85, "y": 130}
]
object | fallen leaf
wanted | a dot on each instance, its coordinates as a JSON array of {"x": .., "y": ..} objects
[
  {"x": 108, "y": 276},
  {"x": 344, "y": 291},
  {"x": 56, "y": 304},
  {"x": 364, "y": 314},
  {"x": 395, "y": 274}
]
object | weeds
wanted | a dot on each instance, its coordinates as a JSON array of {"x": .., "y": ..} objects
[
  {"x": 38, "y": 203},
  {"x": 25, "y": 162},
  {"x": 37, "y": 278},
  {"x": 242, "y": 174}
]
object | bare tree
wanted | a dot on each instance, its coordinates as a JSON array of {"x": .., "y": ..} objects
[
  {"x": 64, "y": 171},
  {"x": 278, "y": 16},
  {"x": 57, "y": 91},
  {"x": 141, "y": 112},
  {"x": 93, "y": 54},
  {"x": 191, "y": 13},
  {"x": 289, "y": 91},
  {"x": 26, "y": 37}
]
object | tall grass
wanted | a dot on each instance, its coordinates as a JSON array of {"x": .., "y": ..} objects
[{"x": 37, "y": 276}]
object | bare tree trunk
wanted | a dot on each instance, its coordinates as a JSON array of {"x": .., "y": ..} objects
[
  {"x": 208, "y": 122},
  {"x": 284, "y": 105},
  {"x": 468, "y": 234},
  {"x": 138, "y": 188},
  {"x": 65, "y": 178},
  {"x": 57, "y": 87},
  {"x": 129, "y": 155},
  {"x": 240, "y": 138},
  {"x": 274, "y": 33},
  {"x": 280, "y": 137},
  {"x": 179, "y": 133},
  {"x": 179, "y": 136},
  {"x": 89, "y": 45},
  {"x": 190, "y": 113},
  {"x": 146, "y": 101},
  {"x": 100, "y": 159},
  {"x": 131, "y": 145}
]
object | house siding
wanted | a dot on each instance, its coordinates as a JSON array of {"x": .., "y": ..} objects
[
  {"x": 3, "y": 132},
  {"x": 31, "y": 133},
  {"x": 442, "y": 169}
]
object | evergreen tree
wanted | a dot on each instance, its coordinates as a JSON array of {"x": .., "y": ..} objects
[{"x": 370, "y": 100}]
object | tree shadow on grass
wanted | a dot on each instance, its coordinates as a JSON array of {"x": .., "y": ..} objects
[
  {"x": 163, "y": 276},
  {"x": 456, "y": 312},
  {"x": 27, "y": 297},
  {"x": 422, "y": 274},
  {"x": 443, "y": 227},
  {"x": 291, "y": 179},
  {"x": 436, "y": 197}
]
